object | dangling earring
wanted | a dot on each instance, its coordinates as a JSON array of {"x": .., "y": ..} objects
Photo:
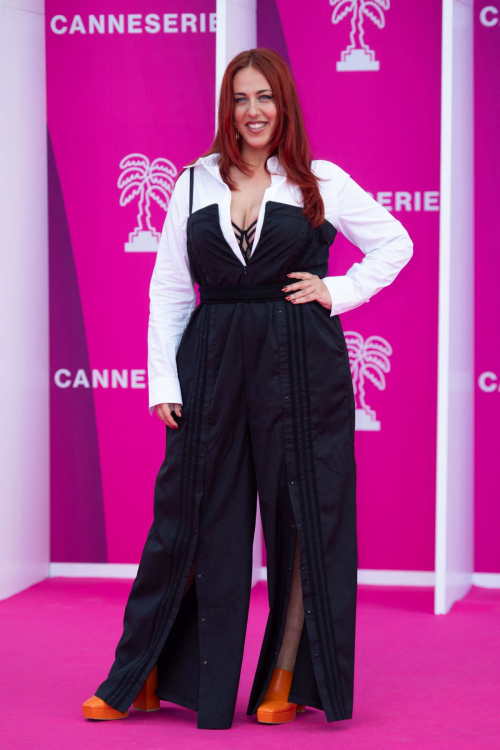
[{"x": 236, "y": 131}]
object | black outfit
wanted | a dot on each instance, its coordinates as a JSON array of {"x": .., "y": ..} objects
[{"x": 268, "y": 407}]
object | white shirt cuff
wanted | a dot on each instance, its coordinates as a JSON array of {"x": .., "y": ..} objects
[
  {"x": 166, "y": 390},
  {"x": 343, "y": 295}
]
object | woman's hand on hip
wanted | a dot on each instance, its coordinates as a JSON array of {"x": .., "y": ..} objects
[
  {"x": 165, "y": 414},
  {"x": 309, "y": 288}
]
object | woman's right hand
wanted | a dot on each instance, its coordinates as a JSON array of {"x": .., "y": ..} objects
[{"x": 165, "y": 414}]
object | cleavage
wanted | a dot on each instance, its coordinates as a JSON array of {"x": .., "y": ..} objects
[
  {"x": 246, "y": 206},
  {"x": 245, "y": 238}
]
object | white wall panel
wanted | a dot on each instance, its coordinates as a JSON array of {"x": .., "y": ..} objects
[
  {"x": 24, "y": 373},
  {"x": 455, "y": 459}
]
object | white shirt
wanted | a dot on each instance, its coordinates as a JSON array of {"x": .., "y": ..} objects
[{"x": 377, "y": 233}]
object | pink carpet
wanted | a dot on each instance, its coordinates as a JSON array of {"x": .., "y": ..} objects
[{"x": 421, "y": 681}]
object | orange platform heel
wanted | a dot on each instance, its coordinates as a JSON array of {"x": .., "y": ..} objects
[
  {"x": 147, "y": 700},
  {"x": 275, "y": 707},
  {"x": 96, "y": 708}
]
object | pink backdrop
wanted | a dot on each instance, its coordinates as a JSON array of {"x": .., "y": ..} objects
[
  {"x": 487, "y": 249},
  {"x": 111, "y": 95},
  {"x": 382, "y": 126}
]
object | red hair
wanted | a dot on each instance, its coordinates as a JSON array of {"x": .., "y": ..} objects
[{"x": 289, "y": 143}]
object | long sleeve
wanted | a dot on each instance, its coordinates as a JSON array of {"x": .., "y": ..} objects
[
  {"x": 368, "y": 225},
  {"x": 172, "y": 300}
]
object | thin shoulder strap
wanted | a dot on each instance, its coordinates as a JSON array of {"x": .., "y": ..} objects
[{"x": 191, "y": 185}]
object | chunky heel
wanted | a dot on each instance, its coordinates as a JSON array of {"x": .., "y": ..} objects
[
  {"x": 300, "y": 709},
  {"x": 147, "y": 700}
]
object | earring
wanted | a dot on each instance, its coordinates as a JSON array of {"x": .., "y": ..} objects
[{"x": 236, "y": 131}]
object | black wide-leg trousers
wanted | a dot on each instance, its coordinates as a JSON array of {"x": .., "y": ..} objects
[{"x": 260, "y": 414}]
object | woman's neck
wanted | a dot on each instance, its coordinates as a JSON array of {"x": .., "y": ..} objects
[{"x": 256, "y": 158}]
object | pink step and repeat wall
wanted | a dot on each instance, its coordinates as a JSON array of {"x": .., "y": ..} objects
[
  {"x": 369, "y": 85},
  {"x": 487, "y": 251},
  {"x": 130, "y": 102}
]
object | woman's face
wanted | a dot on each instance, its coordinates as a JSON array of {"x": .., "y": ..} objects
[{"x": 254, "y": 108}]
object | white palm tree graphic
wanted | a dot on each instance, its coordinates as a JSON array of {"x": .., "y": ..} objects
[
  {"x": 147, "y": 181},
  {"x": 369, "y": 360},
  {"x": 362, "y": 57}
]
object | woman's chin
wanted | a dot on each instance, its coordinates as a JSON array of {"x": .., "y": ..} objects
[{"x": 257, "y": 143}]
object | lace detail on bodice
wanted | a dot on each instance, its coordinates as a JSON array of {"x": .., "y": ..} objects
[{"x": 245, "y": 238}]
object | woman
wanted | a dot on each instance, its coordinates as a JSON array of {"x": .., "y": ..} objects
[{"x": 254, "y": 387}]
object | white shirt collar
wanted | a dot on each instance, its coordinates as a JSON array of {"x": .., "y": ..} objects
[{"x": 211, "y": 163}]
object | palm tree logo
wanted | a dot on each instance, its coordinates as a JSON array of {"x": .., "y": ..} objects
[
  {"x": 146, "y": 181},
  {"x": 369, "y": 360},
  {"x": 359, "y": 57}
]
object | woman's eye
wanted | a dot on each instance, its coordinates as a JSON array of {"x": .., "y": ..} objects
[{"x": 240, "y": 99}]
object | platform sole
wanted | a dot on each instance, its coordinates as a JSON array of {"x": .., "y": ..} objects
[
  {"x": 103, "y": 714},
  {"x": 276, "y": 717}
]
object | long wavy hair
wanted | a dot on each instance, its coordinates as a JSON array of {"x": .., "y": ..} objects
[{"x": 290, "y": 142}]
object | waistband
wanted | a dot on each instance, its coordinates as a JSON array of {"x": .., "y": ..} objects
[{"x": 242, "y": 292}]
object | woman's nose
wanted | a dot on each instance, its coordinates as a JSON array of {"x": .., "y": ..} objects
[{"x": 253, "y": 107}]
